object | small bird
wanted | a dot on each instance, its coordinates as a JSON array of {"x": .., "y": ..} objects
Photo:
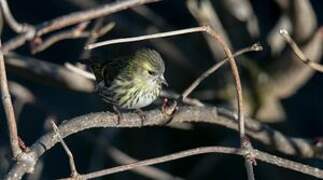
[{"x": 131, "y": 82}]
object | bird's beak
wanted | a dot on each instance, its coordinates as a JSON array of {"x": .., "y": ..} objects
[{"x": 163, "y": 80}]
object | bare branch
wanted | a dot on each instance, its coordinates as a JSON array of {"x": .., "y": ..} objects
[
  {"x": 265, "y": 157},
  {"x": 146, "y": 37},
  {"x": 74, "y": 172},
  {"x": 9, "y": 111},
  {"x": 71, "y": 19},
  {"x": 291, "y": 146},
  {"x": 299, "y": 53}
]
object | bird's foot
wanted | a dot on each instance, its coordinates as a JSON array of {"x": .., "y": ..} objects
[{"x": 169, "y": 108}]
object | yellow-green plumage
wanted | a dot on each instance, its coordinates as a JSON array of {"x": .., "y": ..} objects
[{"x": 131, "y": 82}]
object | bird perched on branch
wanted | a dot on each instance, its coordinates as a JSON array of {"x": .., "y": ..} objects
[{"x": 131, "y": 82}]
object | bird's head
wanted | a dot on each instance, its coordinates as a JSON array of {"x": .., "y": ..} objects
[{"x": 149, "y": 66}]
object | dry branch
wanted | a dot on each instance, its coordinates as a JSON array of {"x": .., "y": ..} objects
[
  {"x": 287, "y": 145},
  {"x": 262, "y": 156}
]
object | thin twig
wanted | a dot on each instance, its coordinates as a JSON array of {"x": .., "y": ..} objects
[
  {"x": 9, "y": 111},
  {"x": 145, "y": 37},
  {"x": 262, "y": 156},
  {"x": 299, "y": 53},
  {"x": 74, "y": 172},
  {"x": 212, "y": 69}
]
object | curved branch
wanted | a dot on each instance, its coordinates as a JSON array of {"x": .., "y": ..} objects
[{"x": 262, "y": 133}]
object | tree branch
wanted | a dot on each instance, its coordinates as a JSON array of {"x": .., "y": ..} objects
[
  {"x": 262, "y": 156},
  {"x": 70, "y": 19},
  {"x": 262, "y": 133},
  {"x": 10, "y": 114},
  {"x": 299, "y": 53}
]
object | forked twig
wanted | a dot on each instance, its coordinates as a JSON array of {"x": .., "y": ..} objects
[
  {"x": 299, "y": 53},
  {"x": 8, "y": 107},
  {"x": 74, "y": 172}
]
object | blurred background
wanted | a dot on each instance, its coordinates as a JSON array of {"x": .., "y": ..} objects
[{"x": 278, "y": 89}]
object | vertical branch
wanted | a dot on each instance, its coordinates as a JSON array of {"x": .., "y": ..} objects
[{"x": 8, "y": 108}]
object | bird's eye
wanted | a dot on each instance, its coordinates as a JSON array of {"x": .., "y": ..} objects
[{"x": 151, "y": 73}]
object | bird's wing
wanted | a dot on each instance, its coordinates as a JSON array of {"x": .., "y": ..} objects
[{"x": 109, "y": 70}]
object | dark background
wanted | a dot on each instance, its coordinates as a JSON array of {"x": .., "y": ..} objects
[{"x": 303, "y": 109}]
